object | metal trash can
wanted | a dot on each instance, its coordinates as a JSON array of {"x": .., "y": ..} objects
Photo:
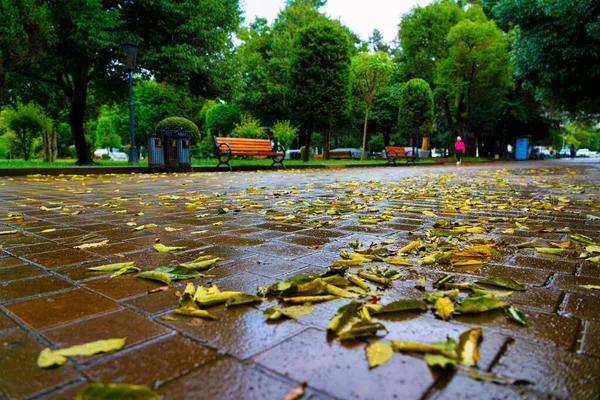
[{"x": 169, "y": 150}]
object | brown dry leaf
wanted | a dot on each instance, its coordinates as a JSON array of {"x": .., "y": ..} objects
[
  {"x": 296, "y": 393},
  {"x": 159, "y": 289}
]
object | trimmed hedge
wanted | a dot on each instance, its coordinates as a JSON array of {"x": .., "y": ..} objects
[{"x": 180, "y": 124}]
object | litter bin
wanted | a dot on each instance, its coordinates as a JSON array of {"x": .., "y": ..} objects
[
  {"x": 522, "y": 149},
  {"x": 169, "y": 150}
]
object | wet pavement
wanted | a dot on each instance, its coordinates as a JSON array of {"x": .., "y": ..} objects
[{"x": 49, "y": 298}]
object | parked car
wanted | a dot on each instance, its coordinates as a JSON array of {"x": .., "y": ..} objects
[
  {"x": 114, "y": 154},
  {"x": 355, "y": 153},
  {"x": 585, "y": 153}
]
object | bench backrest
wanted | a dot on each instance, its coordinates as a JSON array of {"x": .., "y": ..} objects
[
  {"x": 242, "y": 144},
  {"x": 401, "y": 151}
]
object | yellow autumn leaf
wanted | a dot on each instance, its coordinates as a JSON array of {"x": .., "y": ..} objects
[
  {"x": 164, "y": 249},
  {"x": 90, "y": 245},
  {"x": 444, "y": 307},
  {"x": 378, "y": 353},
  {"x": 10, "y": 232}
]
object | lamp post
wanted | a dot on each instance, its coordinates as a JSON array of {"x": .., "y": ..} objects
[
  {"x": 417, "y": 123},
  {"x": 130, "y": 49}
]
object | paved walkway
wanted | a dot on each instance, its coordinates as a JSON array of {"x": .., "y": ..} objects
[{"x": 48, "y": 298}]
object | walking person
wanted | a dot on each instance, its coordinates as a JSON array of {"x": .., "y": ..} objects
[
  {"x": 459, "y": 148},
  {"x": 572, "y": 151}
]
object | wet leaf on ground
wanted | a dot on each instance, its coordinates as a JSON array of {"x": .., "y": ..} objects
[
  {"x": 112, "y": 267},
  {"x": 90, "y": 245},
  {"x": 468, "y": 346},
  {"x": 290, "y": 312},
  {"x": 49, "y": 357},
  {"x": 507, "y": 283},
  {"x": 378, "y": 353},
  {"x": 114, "y": 391},
  {"x": 479, "y": 304},
  {"x": 444, "y": 307},
  {"x": 155, "y": 276},
  {"x": 165, "y": 249},
  {"x": 516, "y": 315}
]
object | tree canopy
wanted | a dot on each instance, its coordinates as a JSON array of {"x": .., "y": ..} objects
[{"x": 556, "y": 49}]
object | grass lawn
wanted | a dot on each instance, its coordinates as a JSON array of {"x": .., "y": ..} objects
[{"x": 234, "y": 162}]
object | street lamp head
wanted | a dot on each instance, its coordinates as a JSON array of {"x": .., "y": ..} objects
[
  {"x": 417, "y": 117},
  {"x": 130, "y": 49}
]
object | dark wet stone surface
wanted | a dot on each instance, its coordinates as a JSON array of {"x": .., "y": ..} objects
[
  {"x": 20, "y": 377},
  {"x": 49, "y": 297}
]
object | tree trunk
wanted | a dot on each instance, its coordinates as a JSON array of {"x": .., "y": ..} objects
[
  {"x": 386, "y": 138},
  {"x": 309, "y": 128},
  {"x": 364, "y": 143},
  {"x": 77, "y": 114},
  {"x": 54, "y": 142},
  {"x": 46, "y": 144},
  {"x": 327, "y": 142}
]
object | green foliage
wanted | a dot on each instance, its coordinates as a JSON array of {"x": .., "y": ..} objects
[
  {"x": 107, "y": 132},
  {"x": 376, "y": 142},
  {"x": 304, "y": 155},
  {"x": 222, "y": 118},
  {"x": 179, "y": 124},
  {"x": 416, "y": 95},
  {"x": 284, "y": 133},
  {"x": 583, "y": 134},
  {"x": 25, "y": 123},
  {"x": 320, "y": 70},
  {"x": 370, "y": 74},
  {"x": 422, "y": 38},
  {"x": 250, "y": 127},
  {"x": 477, "y": 72},
  {"x": 556, "y": 49},
  {"x": 178, "y": 40},
  {"x": 3, "y": 146}
]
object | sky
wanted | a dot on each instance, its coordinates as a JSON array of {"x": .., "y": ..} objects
[{"x": 361, "y": 16}]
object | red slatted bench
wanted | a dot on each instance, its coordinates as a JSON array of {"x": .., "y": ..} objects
[
  {"x": 226, "y": 147},
  {"x": 393, "y": 153}
]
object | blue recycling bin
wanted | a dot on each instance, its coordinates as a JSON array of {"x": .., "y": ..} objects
[{"x": 522, "y": 149}]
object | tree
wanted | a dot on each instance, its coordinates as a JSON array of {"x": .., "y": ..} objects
[
  {"x": 422, "y": 36},
  {"x": 370, "y": 74},
  {"x": 376, "y": 43},
  {"x": 320, "y": 74},
  {"x": 416, "y": 95},
  {"x": 250, "y": 127},
  {"x": 24, "y": 37},
  {"x": 284, "y": 133},
  {"x": 222, "y": 118},
  {"x": 176, "y": 39},
  {"x": 26, "y": 122},
  {"x": 556, "y": 49},
  {"x": 476, "y": 74}
]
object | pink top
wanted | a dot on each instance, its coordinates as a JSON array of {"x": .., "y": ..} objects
[{"x": 460, "y": 145}]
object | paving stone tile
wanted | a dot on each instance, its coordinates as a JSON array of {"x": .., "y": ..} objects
[
  {"x": 282, "y": 250},
  {"x": 60, "y": 308},
  {"x": 582, "y": 306},
  {"x": 307, "y": 241},
  {"x": 67, "y": 393},
  {"x": 552, "y": 371},
  {"x": 7, "y": 262},
  {"x": 341, "y": 370},
  {"x": 564, "y": 330},
  {"x": 20, "y": 377},
  {"x": 235, "y": 381},
  {"x": 61, "y": 258},
  {"x": 60, "y": 233},
  {"x": 462, "y": 387},
  {"x": 240, "y": 331},
  {"x": 125, "y": 286},
  {"x": 153, "y": 364},
  {"x": 6, "y": 323},
  {"x": 547, "y": 263},
  {"x": 15, "y": 290},
  {"x": 572, "y": 283},
  {"x": 269, "y": 266},
  {"x": 154, "y": 303},
  {"x": 591, "y": 339},
  {"x": 231, "y": 240},
  {"x": 20, "y": 272},
  {"x": 115, "y": 248},
  {"x": 32, "y": 250},
  {"x": 119, "y": 324}
]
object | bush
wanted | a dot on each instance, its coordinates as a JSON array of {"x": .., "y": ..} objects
[
  {"x": 222, "y": 118},
  {"x": 284, "y": 133},
  {"x": 416, "y": 94},
  {"x": 303, "y": 150},
  {"x": 105, "y": 156},
  {"x": 376, "y": 142},
  {"x": 180, "y": 124},
  {"x": 250, "y": 128}
]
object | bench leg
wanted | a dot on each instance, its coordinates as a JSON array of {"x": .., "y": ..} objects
[
  {"x": 275, "y": 161},
  {"x": 224, "y": 163}
]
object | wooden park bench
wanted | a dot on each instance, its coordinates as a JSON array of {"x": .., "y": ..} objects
[
  {"x": 226, "y": 147},
  {"x": 393, "y": 153}
]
